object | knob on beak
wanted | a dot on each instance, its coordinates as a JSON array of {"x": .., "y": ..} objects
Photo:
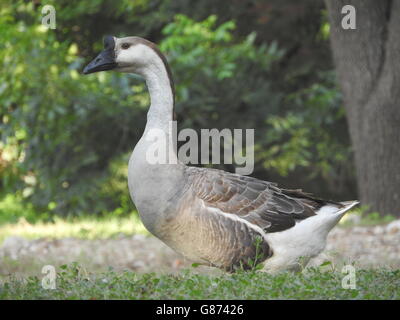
[{"x": 105, "y": 60}]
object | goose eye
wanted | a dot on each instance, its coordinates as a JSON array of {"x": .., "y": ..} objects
[{"x": 125, "y": 45}]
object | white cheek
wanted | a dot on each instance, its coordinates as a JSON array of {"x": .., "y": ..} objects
[
  {"x": 123, "y": 57},
  {"x": 133, "y": 57}
]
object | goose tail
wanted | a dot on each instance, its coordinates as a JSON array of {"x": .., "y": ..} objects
[
  {"x": 337, "y": 209},
  {"x": 347, "y": 205},
  {"x": 331, "y": 214}
]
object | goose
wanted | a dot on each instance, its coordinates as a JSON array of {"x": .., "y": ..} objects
[{"x": 210, "y": 216}]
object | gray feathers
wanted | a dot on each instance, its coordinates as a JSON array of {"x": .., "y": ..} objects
[{"x": 259, "y": 202}]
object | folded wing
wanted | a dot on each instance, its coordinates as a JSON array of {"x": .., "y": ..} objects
[{"x": 259, "y": 202}]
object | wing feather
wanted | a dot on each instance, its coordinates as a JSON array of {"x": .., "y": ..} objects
[{"x": 259, "y": 202}]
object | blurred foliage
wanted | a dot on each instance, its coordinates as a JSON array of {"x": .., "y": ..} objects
[
  {"x": 13, "y": 209},
  {"x": 216, "y": 75},
  {"x": 66, "y": 138},
  {"x": 306, "y": 134},
  {"x": 48, "y": 115}
]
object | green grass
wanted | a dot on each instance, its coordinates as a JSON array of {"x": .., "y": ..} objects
[
  {"x": 79, "y": 227},
  {"x": 73, "y": 282},
  {"x": 18, "y": 218}
]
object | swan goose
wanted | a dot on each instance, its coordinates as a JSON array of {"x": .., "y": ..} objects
[{"x": 210, "y": 216}]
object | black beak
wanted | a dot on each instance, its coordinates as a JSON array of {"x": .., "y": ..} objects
[{"x": 105, "y": 60}]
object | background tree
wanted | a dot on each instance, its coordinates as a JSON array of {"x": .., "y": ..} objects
[{"x": 368, "y": 68}]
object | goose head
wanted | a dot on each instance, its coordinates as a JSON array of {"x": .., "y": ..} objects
[{"x": 129, "y": 54}]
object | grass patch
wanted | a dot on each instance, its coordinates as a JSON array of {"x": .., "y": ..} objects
[
  {"x": 73, "y": 282},
  {"x": 19, "y": 218},
  {"x": 89, "y": 227}
]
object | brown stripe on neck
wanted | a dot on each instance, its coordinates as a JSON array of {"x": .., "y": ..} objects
[{"x": 165, "y": 62}]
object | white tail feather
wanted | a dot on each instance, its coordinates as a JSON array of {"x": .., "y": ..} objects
[
  {"x": 306, "y": 239},
  {"x": 333, "y": 209},
  {"x": 347, "y": 206}
]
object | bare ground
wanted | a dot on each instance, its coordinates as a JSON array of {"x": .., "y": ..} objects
[{"x": 366, "y": 247}]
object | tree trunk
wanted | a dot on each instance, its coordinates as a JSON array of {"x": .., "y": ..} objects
[{"x": 367, "y": 60}]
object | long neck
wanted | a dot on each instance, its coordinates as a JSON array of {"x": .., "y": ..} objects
[
  {"x": 160, "y": 114},
  {"x": 160, "y": 89},
  {"x": 145, "y": 177}
]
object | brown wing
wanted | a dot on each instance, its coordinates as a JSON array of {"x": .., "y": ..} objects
[{"x": 259, "y": 202}]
